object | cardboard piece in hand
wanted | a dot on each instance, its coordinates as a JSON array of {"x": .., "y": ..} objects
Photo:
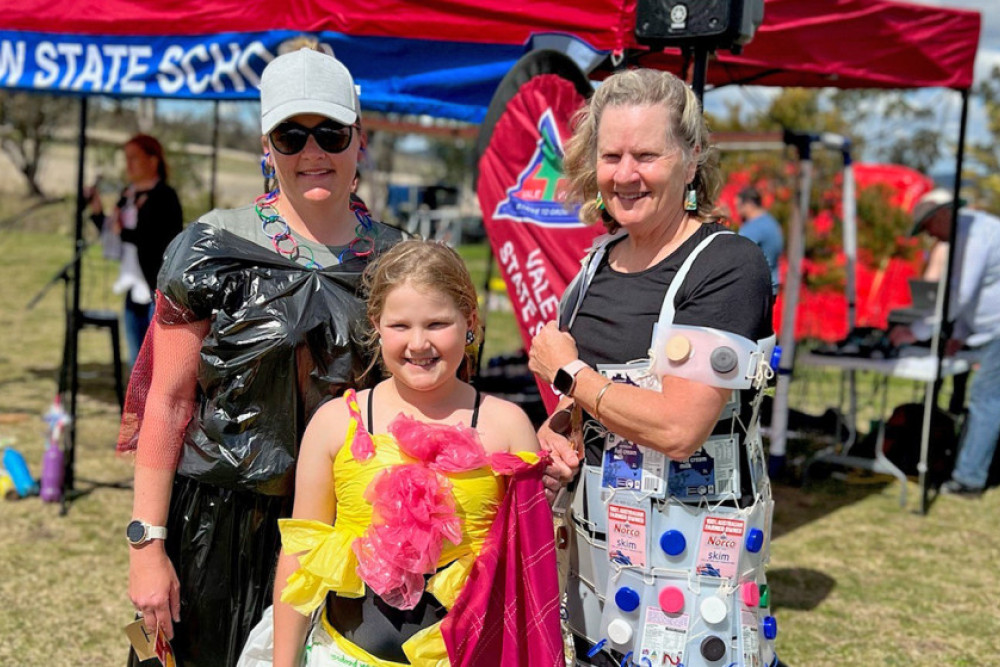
[{"x": 147, "y": 645}]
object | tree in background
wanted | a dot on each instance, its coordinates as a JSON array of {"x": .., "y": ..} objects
[
  {"x": 27, "y": 123},
  {"x": 987, "y": 153}
]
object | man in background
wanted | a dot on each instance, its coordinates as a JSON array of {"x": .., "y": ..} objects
[
  {"x": 760, "y": 227},
  {"x": 974, "y": 320}
]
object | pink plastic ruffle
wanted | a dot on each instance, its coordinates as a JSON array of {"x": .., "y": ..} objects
[
  {"x": 442, "y": 447},
  {"x": 362, "y": 447},
  {"x": 413, "y": 511}
]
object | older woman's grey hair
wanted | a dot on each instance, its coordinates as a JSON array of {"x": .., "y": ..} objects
[{"x": 683, "y": 123}]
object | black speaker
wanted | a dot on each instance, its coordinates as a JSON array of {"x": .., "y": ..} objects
[{"x": 714, "y": 23}]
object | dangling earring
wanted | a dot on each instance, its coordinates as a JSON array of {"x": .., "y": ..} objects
[
  {"x": 470, "y": 337},
  {"x": 266, "y": 168},
  {"x": 690, "y": 198},
  {"x": 599, "y": 202}
]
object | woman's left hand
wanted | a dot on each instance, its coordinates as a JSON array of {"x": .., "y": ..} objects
[{"x": 551, "y": 349}]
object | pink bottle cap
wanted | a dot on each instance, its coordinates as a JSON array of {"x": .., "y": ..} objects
[
  {"x": 751, "y": 594},
  {"x": 671, "y": 599}
]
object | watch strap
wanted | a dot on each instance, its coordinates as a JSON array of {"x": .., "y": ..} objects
[{"x": 156, "y": 533}]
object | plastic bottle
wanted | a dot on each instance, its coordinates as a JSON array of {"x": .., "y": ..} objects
[
  {"x": 53, "y": 469},
  {"x": 52, "y": 473},
  {"x": 17, "y": 468}
]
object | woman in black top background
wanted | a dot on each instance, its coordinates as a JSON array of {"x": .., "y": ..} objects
[{"x": 146, "y": 218}]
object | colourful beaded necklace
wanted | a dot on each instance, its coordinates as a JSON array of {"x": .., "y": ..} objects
[{"x": 285, "y": 244}]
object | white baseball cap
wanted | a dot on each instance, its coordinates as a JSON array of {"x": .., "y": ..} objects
[
  {"x": 306, "y": 81},
  {"x": 930, "y": 204}
]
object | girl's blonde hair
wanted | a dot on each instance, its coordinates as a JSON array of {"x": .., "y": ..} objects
[
  {"x": 682, "y": 120},
  {"x": 427, "y": 265}
]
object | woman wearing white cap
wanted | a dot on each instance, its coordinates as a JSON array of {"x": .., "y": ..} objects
[{"x": 254, "y": 329}]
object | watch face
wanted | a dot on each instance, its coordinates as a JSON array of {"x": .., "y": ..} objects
[
  {"x": 563, "y": 382},
  {"x": 135, "y": 532}
]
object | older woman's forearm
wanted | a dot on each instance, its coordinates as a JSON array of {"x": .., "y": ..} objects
[{"x": 675, "y": 421}]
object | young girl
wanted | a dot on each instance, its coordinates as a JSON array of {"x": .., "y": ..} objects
[{"x": 419, "y": 513}]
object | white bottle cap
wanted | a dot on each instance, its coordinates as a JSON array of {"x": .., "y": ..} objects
[
  {"x": 713, "y": 609},
  {"x": 619, "y": 631}
]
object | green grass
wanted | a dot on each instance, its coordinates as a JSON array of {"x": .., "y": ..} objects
[{"x": 856, "y": 580}]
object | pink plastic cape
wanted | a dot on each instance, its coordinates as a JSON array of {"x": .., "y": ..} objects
[{"x": 508, "y": 612}]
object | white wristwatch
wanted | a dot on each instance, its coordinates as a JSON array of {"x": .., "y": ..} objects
[
  {"x": 139, "y": 532},
  {"x": 565, "y": 379}
]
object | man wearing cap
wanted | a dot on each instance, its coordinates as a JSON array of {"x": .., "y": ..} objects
[{"x": 974, "y": 318}]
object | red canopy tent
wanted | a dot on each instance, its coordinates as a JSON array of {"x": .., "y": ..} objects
[
  {"x": 399, "y": 44},
  {"x": 446, "y": 57}
]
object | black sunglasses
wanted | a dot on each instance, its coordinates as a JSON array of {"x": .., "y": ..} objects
[{"x": 289, "y": 138}]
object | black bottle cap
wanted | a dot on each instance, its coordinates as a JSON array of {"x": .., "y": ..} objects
[
  {"x": 713, "y": 648},
  {"x": 723, "y": 359}
]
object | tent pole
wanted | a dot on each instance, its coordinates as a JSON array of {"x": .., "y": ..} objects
[
  {"x": 942, "y": 332},
  {"x": 793, "y": 282},
  {"x": 71, "y": 348},
  {"x": 215, "y": 153},
  {"x": 850, "y": 205},
  {"x": 700, "y": 72}
]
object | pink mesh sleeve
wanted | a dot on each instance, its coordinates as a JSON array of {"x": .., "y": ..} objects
[{"x": 161, "y": 391}]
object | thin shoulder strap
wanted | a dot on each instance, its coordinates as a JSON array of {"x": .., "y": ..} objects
[
  {"x": 371, "y": 419},
  {"x": 475, "y": 411},
  {"x": 667, "y": 310}
]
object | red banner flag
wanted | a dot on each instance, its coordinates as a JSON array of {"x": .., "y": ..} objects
[{"x": 538, "y": 242}]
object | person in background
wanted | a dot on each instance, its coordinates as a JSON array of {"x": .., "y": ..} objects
[
  {"x": 640, "y": 161},
  {"x": 973, "y": 320},
  {"x": 146, "y": 218},
  {"x": 760, "y": 227},
  {"x": 257, "y": 320}
]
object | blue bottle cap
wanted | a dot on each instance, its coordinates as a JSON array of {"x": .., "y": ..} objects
[
  {"x": 755, "y": 540},
  {"x": 770, "y": 627},
  {"x": 673, "y": 542},
  {"x": 775, "y": 358},
  {"x": 627, "y": 599}
]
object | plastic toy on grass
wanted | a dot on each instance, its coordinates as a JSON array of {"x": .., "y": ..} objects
[{"x": 17, "y": 468}]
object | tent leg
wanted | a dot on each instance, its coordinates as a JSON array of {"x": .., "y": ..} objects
[
  {"x": 71, "y": 349},
  {"x": 793, "y": 282},
  {"x": 944, "y": 298}
]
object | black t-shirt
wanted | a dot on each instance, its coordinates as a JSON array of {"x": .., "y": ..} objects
[{"x": 728, "y": 287}]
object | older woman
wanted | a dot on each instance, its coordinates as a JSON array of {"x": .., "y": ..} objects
[
  {"x": 663, "y": 343},
  {"x": 254, "y": 329}
]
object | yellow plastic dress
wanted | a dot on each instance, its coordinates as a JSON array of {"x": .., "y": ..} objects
[{"x": 329, "y": 563}]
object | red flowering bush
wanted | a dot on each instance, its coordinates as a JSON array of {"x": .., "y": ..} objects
[{"x": 885, "y": 196}]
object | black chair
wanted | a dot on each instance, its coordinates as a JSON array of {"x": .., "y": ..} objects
[{"x": 107, "y": 319}]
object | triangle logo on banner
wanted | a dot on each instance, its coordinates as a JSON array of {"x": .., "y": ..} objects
[{"x": 538, "y": 195}]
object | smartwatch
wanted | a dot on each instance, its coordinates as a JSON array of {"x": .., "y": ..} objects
[
  {"x": 565, "y": 380},
  {"x": 139, "y": 532}
]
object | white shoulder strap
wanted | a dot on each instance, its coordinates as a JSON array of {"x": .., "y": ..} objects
[{"x": 667, "y": 311}]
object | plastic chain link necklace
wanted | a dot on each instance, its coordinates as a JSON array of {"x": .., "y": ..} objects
[{"x": 285, "y": 244}]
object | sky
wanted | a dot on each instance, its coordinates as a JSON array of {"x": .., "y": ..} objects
[{"x": 946, "y": 103}]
